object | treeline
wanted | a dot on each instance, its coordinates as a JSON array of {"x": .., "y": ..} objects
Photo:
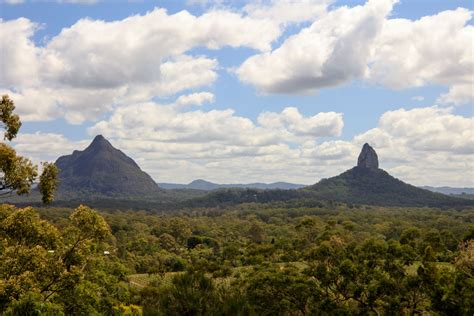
[{"x": 254, "y": 259}]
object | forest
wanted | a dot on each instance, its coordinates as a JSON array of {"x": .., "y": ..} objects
[{"x": 250, "y": 259}]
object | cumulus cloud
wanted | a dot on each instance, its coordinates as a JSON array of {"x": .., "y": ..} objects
[
  {"x": 215, "y": 143},
  {"x": 19, "y": 55},
  {"x": 198, "y": 98},
  {"x": 363, "y": 43},
  {"x": 436, "y": 50},
  {"x": 430, "y": 129},
  {"x": 333, "y": 50},
  {"x": 168, "y": 123},
  {"x": 290, "y": 119},
  {"x": 287, "y": 11},
  {"x": 423, "y": 146},
  {"x": 428, "y": 145},
  {"x": 458, "y": 94},
  {"x": 45, "y": 146},
  {"x": 99, "y": 67},
  {"x": 283, "y": 12},
  {"x": 93, "y": 66}
]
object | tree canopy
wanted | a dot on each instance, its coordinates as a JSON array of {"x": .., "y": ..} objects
[{"x": 17, "y": 173}]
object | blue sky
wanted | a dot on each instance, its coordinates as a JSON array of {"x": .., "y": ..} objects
[{"x": 293, "y": 146}]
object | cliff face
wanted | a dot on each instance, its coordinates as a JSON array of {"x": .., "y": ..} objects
[{"x": 368, "y": 158}]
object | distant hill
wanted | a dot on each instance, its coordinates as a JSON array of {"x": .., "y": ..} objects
[
  {"x": 450, "y": 190},
  {"x": 209, "y": 186},
  {"x": 102, "y": 170},
  {"x": 367, "y": 184}
]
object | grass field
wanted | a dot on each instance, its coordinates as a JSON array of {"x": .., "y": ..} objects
[{"x": 141, "y": 280}]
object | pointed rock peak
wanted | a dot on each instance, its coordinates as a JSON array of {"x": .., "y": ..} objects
[
  {"x": 368, "y": 158},
  {"x": 100, "y": 142}
]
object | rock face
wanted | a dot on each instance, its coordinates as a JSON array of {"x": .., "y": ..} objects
[
  {"x": 368, "y": 158},
  {"x": 104, "y": 170}
]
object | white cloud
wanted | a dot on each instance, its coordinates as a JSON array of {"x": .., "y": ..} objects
[
  {"x": 333, "y": 50},
  {"x": 282, "y": 12},
  {"x": 458, "y": 94},
  {"x": 216, "y": 143},
  {"x": 436, "y": 50},
  {"x": 19, "y": 55},
  {"x": 94, "y": 66},
  {"x": 35, "y": 105},
  {"x": 321, "y": 124},
  {"x": 433, "y": 143},
  {"x": 422, "y": 146},
  {"x": 45, "y": 146},
  {"x": 287, "y": 11},
  {"x": 168, "y": 123},
  {"x": 430, "y": 129},
  {"x": 362, "y": 43},
  {"x": 198, "y": 98},
  {"x": 425, "y": 145}
]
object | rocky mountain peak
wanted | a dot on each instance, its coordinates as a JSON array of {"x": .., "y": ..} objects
[
  {"x": 100, "y": 142},
  {"x": 103, "y": 169},
  {"x": 368, "y": 158}
]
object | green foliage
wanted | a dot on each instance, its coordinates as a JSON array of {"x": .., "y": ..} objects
[
  {"x": 32, "y": 304},
  {"x": 45, "y": 270},
  {"x": 47, "y": 183},
  {"x": 10, "y": 120},
  {"x": 190, "y": 293},
  {"x": 254, "y": 259},
  {"x": 18, "y": 173},
  {"x": 377, "y": 187}
]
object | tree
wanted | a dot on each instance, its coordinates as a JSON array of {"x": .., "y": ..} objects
[
  {"x": 18, "y": 173},
  {"x": 52, "y": 271}
]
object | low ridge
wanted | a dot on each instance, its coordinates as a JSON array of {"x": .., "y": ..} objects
[{"x": 104, "y": 170}]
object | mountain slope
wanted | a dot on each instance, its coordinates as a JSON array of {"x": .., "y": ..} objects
[
  {"x": 103, "y": 170},
  {"x": 367, "y": 184}
]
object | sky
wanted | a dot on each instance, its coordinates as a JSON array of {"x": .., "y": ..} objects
[{"x": 247, "y": 91}]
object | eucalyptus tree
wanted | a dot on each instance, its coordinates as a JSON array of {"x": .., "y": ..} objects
[{"x": 17, "y": 173}]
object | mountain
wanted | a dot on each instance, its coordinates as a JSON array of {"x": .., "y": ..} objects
[
  {"x": 208, "y": 186},
  {"x": 450, "y": 190},
  {"x": 101, "y": 169},
  {"x": 367, "y": 184}
]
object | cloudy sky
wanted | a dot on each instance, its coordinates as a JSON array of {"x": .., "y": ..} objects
[{"x": 236, "y": 91}]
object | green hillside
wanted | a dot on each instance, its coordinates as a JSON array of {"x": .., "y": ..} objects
[{"x": 375, "y": 186}]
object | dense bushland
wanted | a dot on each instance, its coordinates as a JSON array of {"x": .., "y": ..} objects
[{"x": 257, "y": 259}]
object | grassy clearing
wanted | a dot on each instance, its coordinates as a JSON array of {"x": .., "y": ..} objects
[
  {"x": 411, "y": 270},
  {"x": 143, "y": 279}
]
